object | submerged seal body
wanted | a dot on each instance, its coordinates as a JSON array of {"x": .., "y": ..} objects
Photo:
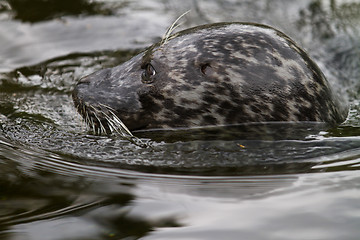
[{"x": 218, "y": 74}]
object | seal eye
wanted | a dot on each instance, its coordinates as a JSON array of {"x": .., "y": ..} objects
[{"x": 149, "y": 72}]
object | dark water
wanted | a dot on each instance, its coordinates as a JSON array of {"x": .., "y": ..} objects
[{"x": 58, "y": 181}]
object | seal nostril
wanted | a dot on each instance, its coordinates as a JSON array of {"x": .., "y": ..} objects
[
  {"x": 80, "y": 89},
  {"x": 84, "y": 80}
]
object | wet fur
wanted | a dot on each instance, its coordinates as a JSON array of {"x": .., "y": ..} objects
[{"x": 219, "y": 74}]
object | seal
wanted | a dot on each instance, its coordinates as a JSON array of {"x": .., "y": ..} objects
[{"x": 216, "y": 74}]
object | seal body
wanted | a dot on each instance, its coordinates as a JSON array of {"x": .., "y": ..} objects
[{"x": 218, "y": 74}]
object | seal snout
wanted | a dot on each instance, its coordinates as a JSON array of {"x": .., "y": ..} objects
[
  {"x": 79, "y": 93},
  {"x": 86, "y": 101},
  {"x": 103, "y": 104}
]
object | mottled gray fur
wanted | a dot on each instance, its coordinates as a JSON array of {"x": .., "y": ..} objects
[{"x": 219, "y": 74}]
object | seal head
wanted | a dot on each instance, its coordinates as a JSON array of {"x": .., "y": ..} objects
[{"x": 218, "y": 74}]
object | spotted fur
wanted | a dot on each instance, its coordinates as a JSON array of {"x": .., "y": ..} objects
[{"x": 219, "y": 74}]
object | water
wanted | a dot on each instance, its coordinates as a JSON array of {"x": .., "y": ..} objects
[{"x": 58, "y": 181}]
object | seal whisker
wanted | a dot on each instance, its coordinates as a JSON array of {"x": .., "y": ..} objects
[
  {"x": 92, "y": 126},
  {"x": 171, "y": 29},
  {"x": 95, "y": 122},
  {"x": 106, "y": 106},
  {"x": 86, "y": 119},
  {"x": 101, "y": 128},
  {"x": 90, "y": 123},
  {"x": 113, "y": 121},
  {"x": 117, "y": 124}
]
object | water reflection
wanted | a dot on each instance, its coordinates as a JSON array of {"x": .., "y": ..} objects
[
  {"x": 307, "y": 209},
  {"x": 51, "y": 198}
]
